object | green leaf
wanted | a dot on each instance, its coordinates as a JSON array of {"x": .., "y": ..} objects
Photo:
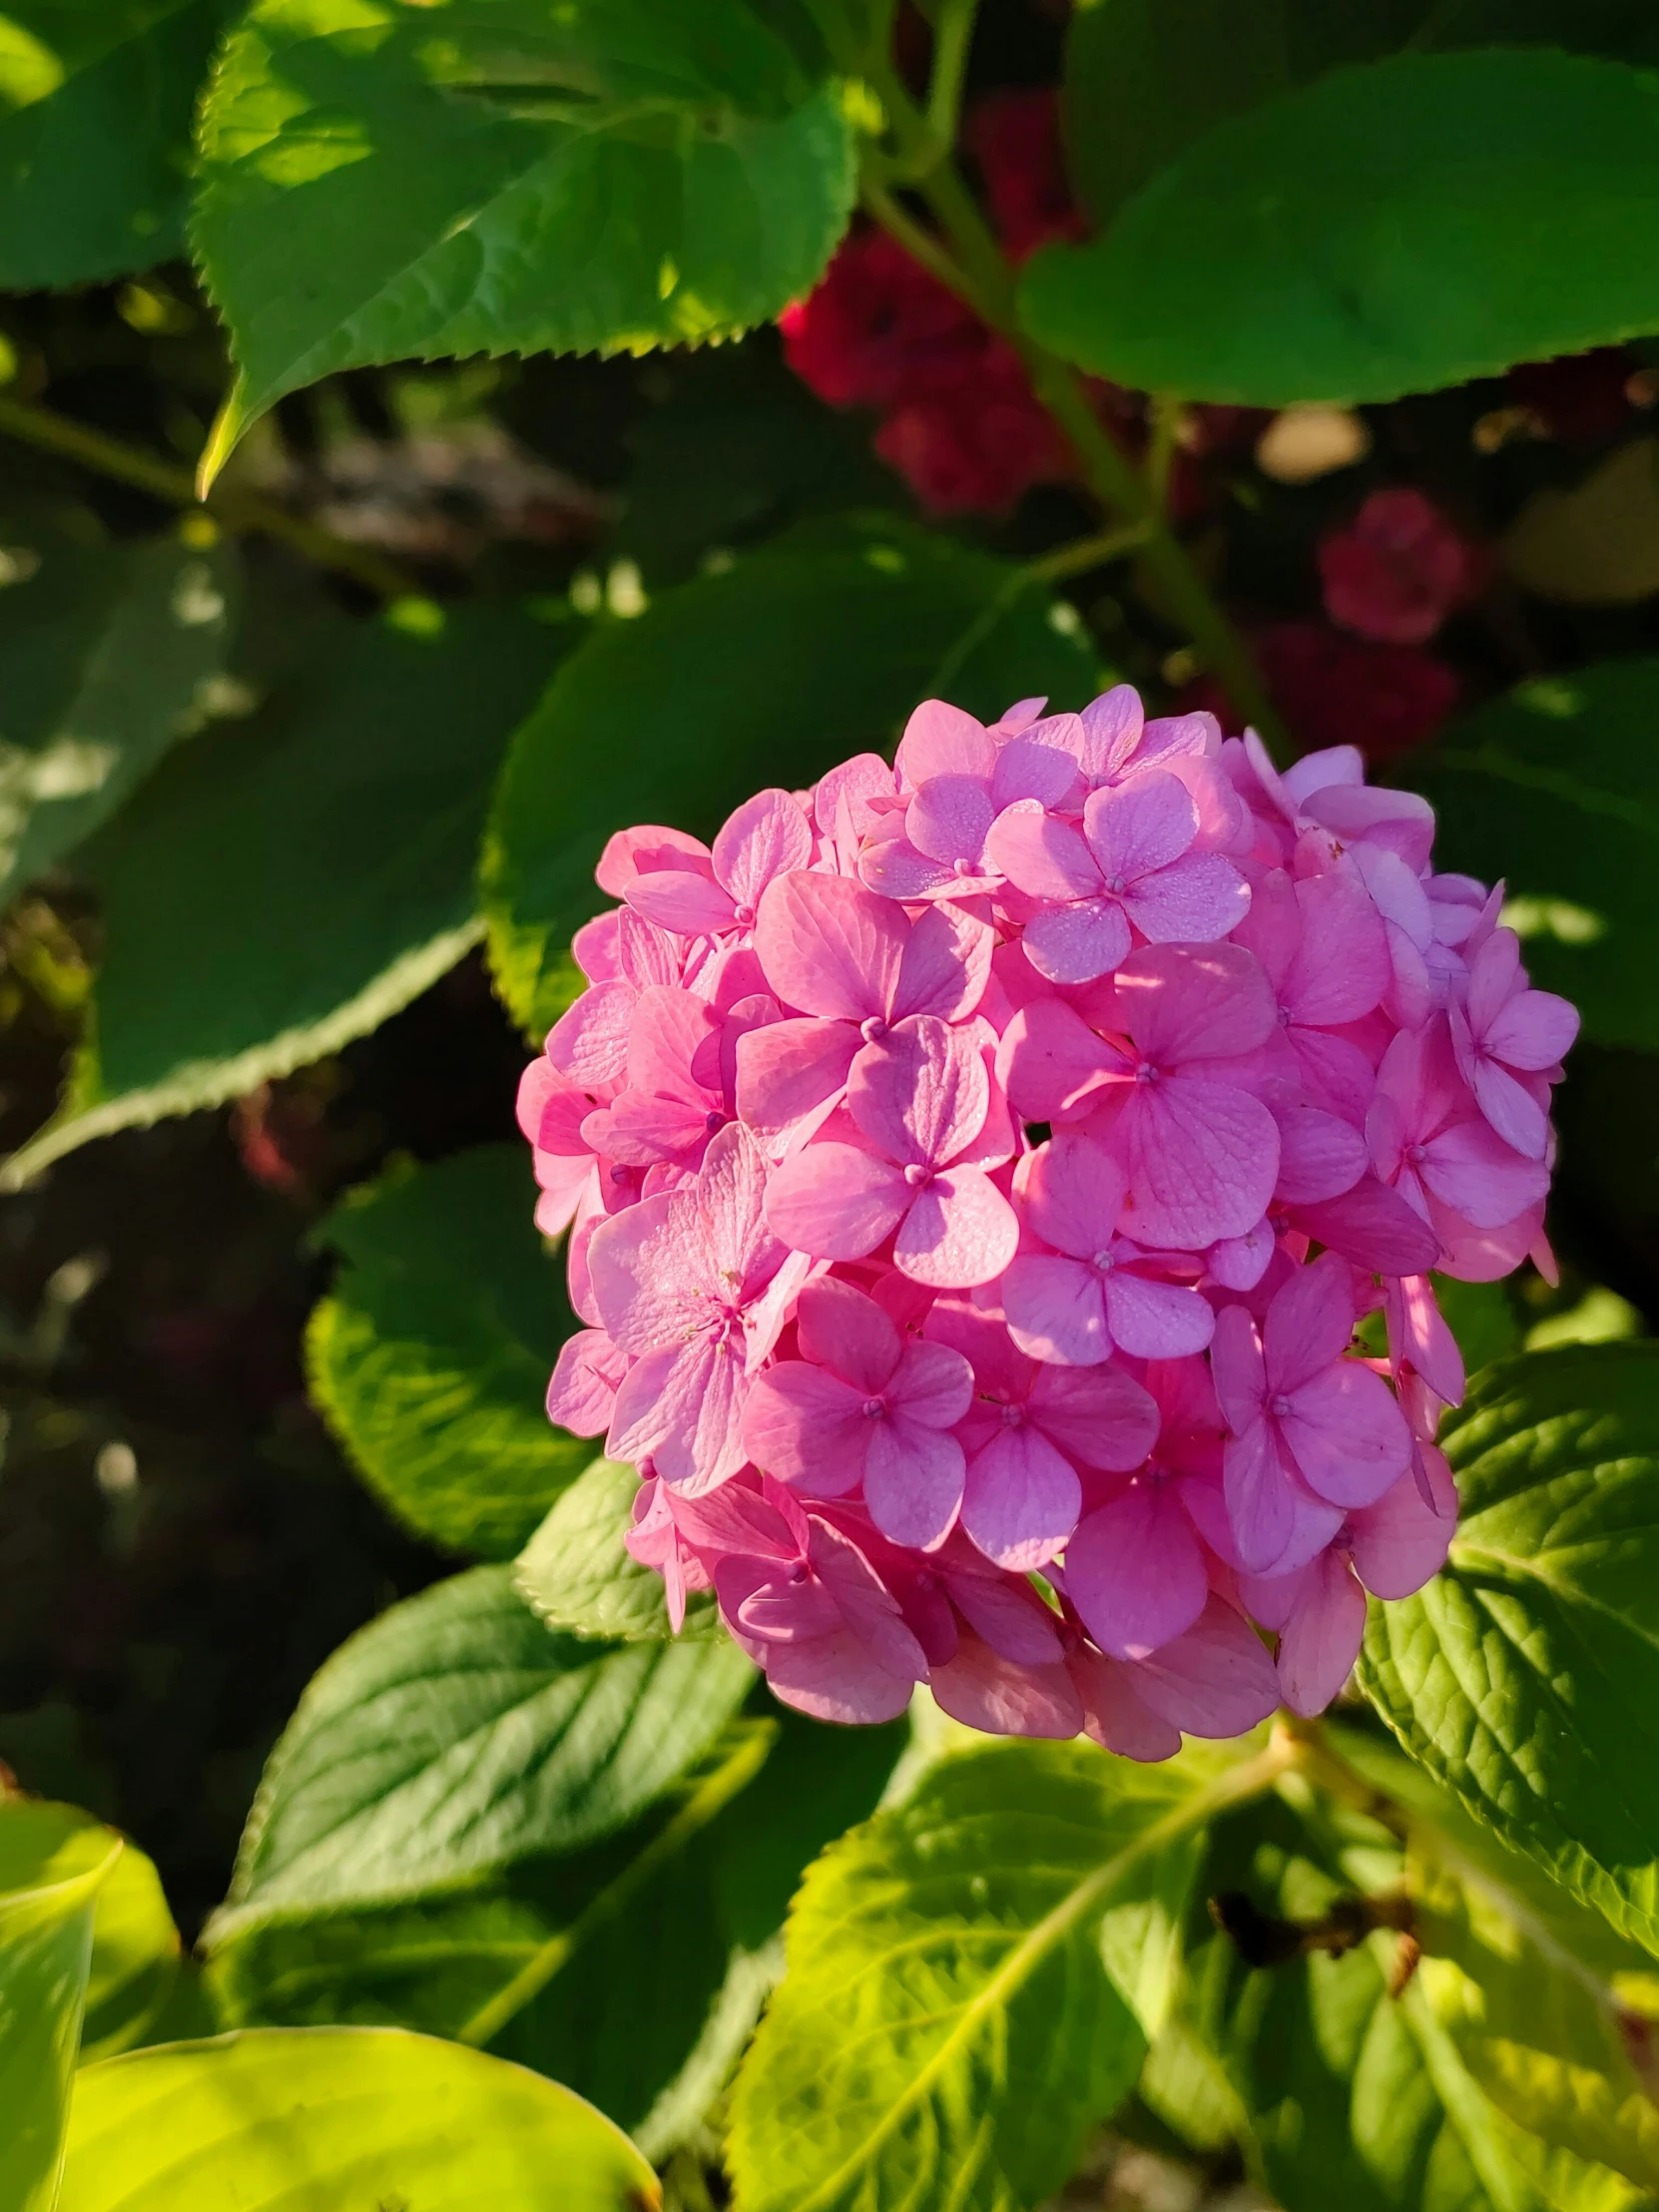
[
  {"x": 284, "y": 884},
  {"x": 430, "y": 1359},
  {"x": 96, "y": 105},
  {"x": 578, "y": 1576},
  {"x": 53, "y": 1861},
  {"x": 1354, "y": 2097},
  {"x": 501, "y": 176},
  {"x": 971, "y": 1980},
  {"x": 457, "y": 1735},
  {"x": 1378, "y": 232},
  {"x": 136, "y": 1959},
  {"x": 685, "y": 1903},
  {"x": 108, "y": 656},
  {"x": 389, "y": 2120},
  {"x": 1525, "y": 1677},
  {"x": 1146, "y": 78},
  {"x": 1555, "y": 790},
  {"x": 767, "y": 674}
]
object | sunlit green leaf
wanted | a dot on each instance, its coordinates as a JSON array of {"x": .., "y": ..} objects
[{"x": 578, "y": 1576}]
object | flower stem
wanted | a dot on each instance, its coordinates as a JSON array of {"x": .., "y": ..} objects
[
  {"x": 1083, "y": 554},
  {"x": 953, "y": 37},
  {"x": 974, "y": 267},
  {"x": 238, "y": 511}
]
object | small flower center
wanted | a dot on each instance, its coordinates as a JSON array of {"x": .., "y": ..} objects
[
  {"x": 743, "y": 916},
  {"x": 1104, "y": 1262},
  {"x": 1013, "y": 1417},
  {"x": 621, "y": 1176},
  {"x": 1145, "y": 1072},
  {"x": 1116, "y": 885},
  {"x": 872, "y": 1030},
  {"x": 962, "y": 866},
  {"x": 714, "y": 1120},
  {"x": 875, "y": 1409},
  {"x": 1279, "y": 1407},
  {"x": 798, "y": 1572},
  {"x": 1414, "y": 1153},
  {"x": 1284, "y": 1017},
  {"x": 917, "y": 1175}
]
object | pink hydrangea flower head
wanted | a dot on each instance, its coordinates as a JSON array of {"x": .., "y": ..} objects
[{"x": 974, "y": 1170}]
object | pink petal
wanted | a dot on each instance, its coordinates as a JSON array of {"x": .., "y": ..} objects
[
  {"x": 1533, "y": 1031},
  {"x": 1418, "y": 1336},
  {"x": 1077, "y": 943},
  {"x": 589, "y": 1042},
  {"x": 792, "y": 1071},
  {"x": 940, "y": 740},
  {"x": 1320, "y": 1156},
  {"x": 1179, "y": 737},
  {"x": 1139, "y": 826},
  {"x": 649, "y": 1268},
  {"x": 983, "y": 1690},
  {"x": 1056, "y": 1310},
  {"x": 1340, "y": 966},
  {"x": 1099, "y": 1417},
  {"x": 1347, "y": 1435},
  {"x": 945, "y": 966},
  {"x": 1135, "y": 1572},
  {"x": 835, "y": 1201},
  {"x": 758, "y": 1606},
  {"x": 868, "y": 1607},
  {"x": 731, "y": 1189},
  {"x": 1039, "y": 854},
  {"x": 1238, "y": 1370},
  {"x": 830, "y": 946},
  {"x": 1477, "y": 1174},
  {"x": 1188, "y": 1002},
  {"x": 920, "y": 1093},
  {"x": 1156, "y": 1320},
  {"x": 1309, "y": 1323},
  {"x": 1031, "y": 768},
  {"x": 804, "y": 1425},
  {"x": 691, "y": 905},
  {"x": 1201, "y": 1161},
  {"x": 1401, "y": 1541},
  {"x": 582, "y": 1393},
  {"x": 892, "y": 867},
  {"x": 1511, "y": 1109},
  {"x": 1214, "y": 1681},
  {"x": 1260, "y": 1503},
  {"x": 959, "y": 1232},
  {"x": 766, "y": 838},
  {"x": 848, "y": 1334},
  {"x": 637, "y": 1130},
  {"x": 1494, "y": 976},
  {"x": 1008, "y": 1616},
  {"x": 949, "y": 818},
  {"x": 1239, "y": 1262},
  {"x": 1021, "y": 1501},
  {"x": 1320, "y": 1641},
  {"x": 1374, "y": 1228},
  {"x": 641, "y": 852},
  {"x": 1114, "y": 1713},
  {"x": 1071, "y": 1194},
  {"x": 934, "y": 1385},
  {"x": 1050, "y": 1060},
  {"x": 1195, "y": 900},
  {"x": 1112, "y": 726},
  {"x": 836, "y": 1678},
  {"x": 912, "y": 1482}
]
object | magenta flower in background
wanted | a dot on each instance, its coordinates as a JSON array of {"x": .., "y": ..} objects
[
  {"x": 1396, "y": 570},
  {"x": 975, "y": 1171}
]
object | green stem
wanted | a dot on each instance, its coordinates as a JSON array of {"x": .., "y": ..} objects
[
  {"x": 238, "y": 511},
  {"x": 1083, "y": 554},
  {"x": 953, "y": 37},
  {"x": 980, "y": 273},
  {"x": 710, "y": 1797}
]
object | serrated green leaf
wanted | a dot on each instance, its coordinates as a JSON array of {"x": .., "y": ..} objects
[
  {"x": 136, "y": 1959},
  {"x": 1554, "y": 790},
  {"x": 577, "y": 1575},
  {"x": 767, "y": 674},
  {"x": 456, "y": 1735},
  {"x": 970, "y": 1977},
  {"x": 492, "y": 176},
  {"x": 1525, "y": 1676},
  {"x": 53, "y": 1862},
  {"x": 430, "y": 1357},
  {"x": 686, "y": 1901},
  {"x": 1378, "y": 232},
  {"x": 389, "y": 2119},
  {"x": 1146, "y": 78},
  {"x": 97, "y": 99},
  {"x": 108, "y": 656},
  {"x": 283, "y": 884}
]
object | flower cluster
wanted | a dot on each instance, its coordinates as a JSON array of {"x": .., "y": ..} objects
[{"x": 976, "y": 1171}]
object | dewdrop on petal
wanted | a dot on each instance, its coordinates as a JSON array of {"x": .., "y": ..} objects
[{"x": 975, "y": 1172}]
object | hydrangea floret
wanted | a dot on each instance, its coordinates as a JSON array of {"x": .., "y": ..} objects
[{"x": 976, "y": 1173}]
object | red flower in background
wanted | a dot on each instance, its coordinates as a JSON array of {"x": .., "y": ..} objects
[
  {"x": 1015, "y": 138},
  {"x": 880, "y": 330},
  {"x": 1334, "y": 690},
  {"x": 1396, "y": 570}
]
